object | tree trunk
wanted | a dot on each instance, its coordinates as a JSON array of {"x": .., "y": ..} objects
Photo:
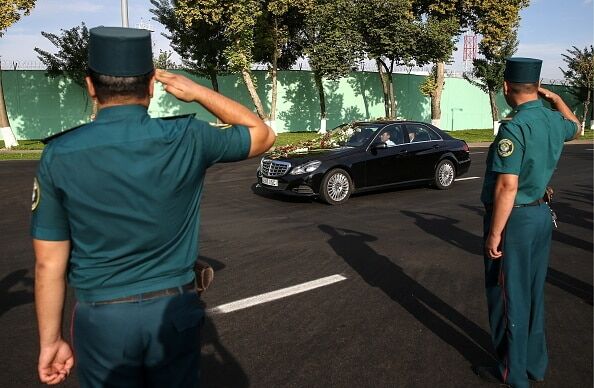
[
  {"x": 494, "y": 111},
  {"x": 586, "y": 105},
  {"x": 274, "y": 78},
  {"x": 214, "y": 81},
  {"x": 381, "y": 67},
  {"x": 436, "y": 95},
  {"x": 7, "y": 134},
  {"x": 391, "y": 94},
  {"x": 320, "y": 86},
  {"x": 249, "y": 83}
]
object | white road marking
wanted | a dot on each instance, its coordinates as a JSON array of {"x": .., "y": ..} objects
[
  {"x": 468, "y": 178},
  {"x": 589, "y": 149},
  {"x": 481, "y": 152},
  {"x": 274, "y": 295}
]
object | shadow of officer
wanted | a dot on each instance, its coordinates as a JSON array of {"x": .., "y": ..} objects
[
  {"x": 10, "y": 298},
  {"x": 378, "y": 271}
]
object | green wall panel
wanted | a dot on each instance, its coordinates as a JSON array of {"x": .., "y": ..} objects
[{"x": 39, "y": 106}]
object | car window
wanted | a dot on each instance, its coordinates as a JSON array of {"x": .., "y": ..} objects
[
  {"x": 361, "y": 134},
  {"x": 418, "y": 133},
  {"x": 392, "y": 135}
]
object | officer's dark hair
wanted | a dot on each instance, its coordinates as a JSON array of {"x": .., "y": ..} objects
[
  {"x": 523, "y": 88},
  {"x": 108, "y": 87}
]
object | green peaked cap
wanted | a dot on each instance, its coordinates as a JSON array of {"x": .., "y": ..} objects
[
  {"x": 120, "y": 52},
  {"x": 522, "y": 70}
]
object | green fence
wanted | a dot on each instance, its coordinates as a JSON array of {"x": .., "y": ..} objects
[{"x": 39, "y": 106}]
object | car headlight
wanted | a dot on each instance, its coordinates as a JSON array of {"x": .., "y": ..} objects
[{"x": 306, "y": 167}]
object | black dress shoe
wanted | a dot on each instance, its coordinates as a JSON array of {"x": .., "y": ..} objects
[{"x": 489, "y": 374}]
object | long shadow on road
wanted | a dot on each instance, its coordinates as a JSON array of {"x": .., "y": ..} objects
[
  {"x": 445, "y": 229},
  {"x": 10, "y": 298},
  {"x": 471, "y": 341}
]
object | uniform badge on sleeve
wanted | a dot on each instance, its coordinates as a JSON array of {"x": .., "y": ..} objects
[
  {"x": 36, "y": 194},
  {"x": 505, "y": 147}
]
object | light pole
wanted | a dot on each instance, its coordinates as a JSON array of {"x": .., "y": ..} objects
[
  {"x": 454, "y": 109},
  {"x": 124, "y": 13}
]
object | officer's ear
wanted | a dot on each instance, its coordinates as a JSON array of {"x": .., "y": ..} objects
[
  {"x": 90, "y": 87},
  {"x": 505, "y": 87},
  {"x": 152, "y": 86}
]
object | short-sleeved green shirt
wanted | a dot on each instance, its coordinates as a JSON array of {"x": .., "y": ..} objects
[
  {"x": 125, "y": 190},
  {"x": 529, "y": 146}
]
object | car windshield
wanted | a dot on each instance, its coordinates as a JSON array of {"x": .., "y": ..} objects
[{"x": 356, "y": 135}]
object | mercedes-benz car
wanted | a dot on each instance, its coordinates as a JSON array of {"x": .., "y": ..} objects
[{"x": 369, "y": 155}]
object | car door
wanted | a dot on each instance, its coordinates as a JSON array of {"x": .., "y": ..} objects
[
  {"x": 387, "y": 165},
  {"x": 424, "y": 149}
]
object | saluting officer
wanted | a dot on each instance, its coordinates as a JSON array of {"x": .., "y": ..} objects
[
  {"x": 518, "y": 223},
  {"x": 116, "y": 209}
]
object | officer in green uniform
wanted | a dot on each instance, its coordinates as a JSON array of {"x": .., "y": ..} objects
[
  {"x": 518, "y": 222},
  {"x": 116, "y": 208}
]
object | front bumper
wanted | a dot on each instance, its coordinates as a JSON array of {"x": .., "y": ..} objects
[{"x": 300, "y": 185}]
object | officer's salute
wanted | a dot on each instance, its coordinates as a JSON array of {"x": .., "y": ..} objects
[
  {"x": 518, "y": 223},
  {"x": 116, "y": 208}
]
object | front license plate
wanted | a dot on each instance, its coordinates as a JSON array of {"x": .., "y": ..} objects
[{"x": 270, "y": 182}]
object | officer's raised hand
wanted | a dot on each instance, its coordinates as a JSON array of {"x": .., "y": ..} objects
[
  {"x": 227, "y": 110},
  {"x": 179, "y": 86}
]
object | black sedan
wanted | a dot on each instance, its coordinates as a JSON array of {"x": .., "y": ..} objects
[{"x": 368, "y": 156}]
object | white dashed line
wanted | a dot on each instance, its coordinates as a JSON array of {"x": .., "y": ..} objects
[
  {"x": 589, "y": 149},
  {"x": 468, "y": 178},
  {"x": 480, "y": 152},
  {"x": 274, "y": 295}
]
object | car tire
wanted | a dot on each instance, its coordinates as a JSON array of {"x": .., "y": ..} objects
[
  {"x": 336, "y": 187},
  {"x": 445, "y": 174}
]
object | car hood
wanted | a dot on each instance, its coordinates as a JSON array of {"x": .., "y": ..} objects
[{"x": 322, "y": 155}]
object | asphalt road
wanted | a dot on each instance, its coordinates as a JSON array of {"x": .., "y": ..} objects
[{"x": 411, "y": 311}]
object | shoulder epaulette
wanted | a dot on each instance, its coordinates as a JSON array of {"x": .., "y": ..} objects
[
  {"x": 509, "y": 117},
  {"x": 178, "y": 116},
  {"x": 56, "y": 135}
]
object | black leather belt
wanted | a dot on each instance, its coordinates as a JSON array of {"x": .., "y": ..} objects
[
  {"x": 540, "y": 201},
  {"x": 150, "y": 295}
]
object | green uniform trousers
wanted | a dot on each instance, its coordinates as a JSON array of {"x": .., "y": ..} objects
[
  {"x": 145, "y": 343},
  {"x": 515, "y": 294}
]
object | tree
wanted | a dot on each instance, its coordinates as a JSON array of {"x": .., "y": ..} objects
[
  {"x": 497, "y": 21},
  {"x": 237, "y": 21},
  {"x": 163, "y": 60},
  {"x": 331, "y": 43},
  {"x": 277, "y": 38},
  {"x": 436, "y": 44},
  {"x": 580, "y": 75},
  {"x": 11, "y": 12},
  {"x": 389, "y": 35},
  {"x": 71, "y": 60},
  {"x": 443, "y": 21},
  {"x": 72, "y": 56},
  {"x": 201, "y": 44}
]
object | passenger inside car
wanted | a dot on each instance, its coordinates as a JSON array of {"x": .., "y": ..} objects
[{"x": 385, "y": 137}]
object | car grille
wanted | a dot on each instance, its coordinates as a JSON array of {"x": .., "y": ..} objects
[{"x": 274, "y": 167}]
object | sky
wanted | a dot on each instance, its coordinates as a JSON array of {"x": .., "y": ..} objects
[{"x": 547, "y": 29}]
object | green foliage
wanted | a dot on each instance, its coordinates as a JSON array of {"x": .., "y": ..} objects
[
  {"x": 580, "y": 68},
  {"x": 11, "y": 12},
  {"x": 496, "y": 21},
  {"x": 71, "y": 58},
  {"x": 199, "y": 42},
  {"x": 487, "y": 74},
  {"x": 430, "y": 83},
  {"x": 332, "y": 43},
  {"x": 236, "y": 20},
  {"x": 163, "y": 60},
  {"x": 388, "y": 29}
]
